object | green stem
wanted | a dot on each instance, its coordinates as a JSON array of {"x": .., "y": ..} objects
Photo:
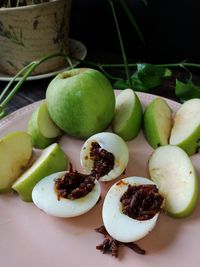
[
  {"x": 121, "y": 45},
  {"x": 13, "y": 80},
  {"x": 97, "y": 65},
  {"x": 170, "y": 65},
  {"x": 132, "y": 19}
]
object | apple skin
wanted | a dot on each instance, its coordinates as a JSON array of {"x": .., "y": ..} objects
[
  {"x": 157, "y": 123},
  {"x": 165, "y": 171},
  {"x": 15, "y": 154},
  {"x": 130, "y": 124},
  {"x": 54, "y": 161},
  {"x": 81, "y": 102},
  {"x": 187, "y": 117},
  {"x": 35, "y": 124}
]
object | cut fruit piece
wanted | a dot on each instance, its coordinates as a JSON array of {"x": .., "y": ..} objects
[
  {"x": 15, "y": 153},
  {"x": 157, "y": 123},
  {"x": 41, "y": 127},
  {"x": 128, "y": 115},
  {"x": 172, "y": 170},
  {"x": 51, "y": 160},
  {"x": 186, "y": 129}
]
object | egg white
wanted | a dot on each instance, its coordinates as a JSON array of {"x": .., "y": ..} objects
[
  {"x": 113, "y": 144},
  {"x": 45, "y": 198},
  {"x": 120, "y": 226}
]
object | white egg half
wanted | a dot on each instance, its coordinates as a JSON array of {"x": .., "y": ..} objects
[
  {"x": 120, "y": 226},
  {"x": 45, "y": 198},
  {"x": 112, "y": 143}
]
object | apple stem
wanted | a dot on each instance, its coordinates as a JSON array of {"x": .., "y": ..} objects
[{"x": 27, "y": 70}]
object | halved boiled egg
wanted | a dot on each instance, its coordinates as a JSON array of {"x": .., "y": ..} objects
[
  {"x": 133, "y": 196},
  {"x": 105, "y": 155},
  {"x": 47, "y": 198}
]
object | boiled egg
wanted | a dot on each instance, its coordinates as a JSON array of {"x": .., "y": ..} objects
[
  {"x": 114, "y": 146},
  {"x": 45, "y": 198},
  {"x": 120, "y": 226}
]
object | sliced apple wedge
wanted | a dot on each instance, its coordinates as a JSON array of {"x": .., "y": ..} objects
[
  {"x": 128, "y": 115},
  {"x": 41, "y": 127},
  {"x": 51, "y": 160},
  {"x": 172, "y": 170},
  {"x": 15, "y": 153},
  {"x": 186, "y": 129},
  {"x": 157, "y": 122}
]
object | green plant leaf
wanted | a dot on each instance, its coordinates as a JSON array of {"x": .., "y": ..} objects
[
  {"x": 121, "y": 84},
  {"x": 146, "y": 77},
  {"x": 186, "y": 90}
]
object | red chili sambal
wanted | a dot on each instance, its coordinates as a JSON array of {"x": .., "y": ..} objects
[
  {"x": 103, "y": 160},
  {"x": 74, "y": 185},
  {"x": 141, "y": 202}
]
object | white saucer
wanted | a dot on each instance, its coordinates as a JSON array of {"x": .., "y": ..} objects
[{"x": 77, "y": 49}]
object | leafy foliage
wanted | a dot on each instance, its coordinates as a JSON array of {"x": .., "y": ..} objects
[
  {"x": 187, "y": 90},
  {"x": 146, "y": 77}
]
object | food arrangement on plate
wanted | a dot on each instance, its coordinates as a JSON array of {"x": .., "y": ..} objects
[{"x": 81, "y": 103}]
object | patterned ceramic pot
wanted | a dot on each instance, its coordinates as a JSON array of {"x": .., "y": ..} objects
[{"x": 31, "y": 32}]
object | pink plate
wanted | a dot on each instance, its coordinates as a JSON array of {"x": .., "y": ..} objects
[{"x": 30, "y": 238}]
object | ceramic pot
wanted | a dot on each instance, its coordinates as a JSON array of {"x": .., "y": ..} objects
[{"x": 32, "y": 32}]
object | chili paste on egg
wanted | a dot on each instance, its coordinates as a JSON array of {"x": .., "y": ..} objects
[
  {"x": 74, "y": 185},
  {"x": 103, "y": 160},
  {"x": 141, "y": 202}
]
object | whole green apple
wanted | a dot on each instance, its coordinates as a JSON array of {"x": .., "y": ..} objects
[{"x": 81, "y": 102}]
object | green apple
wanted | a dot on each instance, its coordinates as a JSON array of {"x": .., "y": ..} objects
[
  {"x": 157, "y": 122},
  {"x": 128, "y": 115},
  {"x": 81, "y": 102},
  {"x": 41, "y": 127},
  {"x": 172, "y": 170},
  {"x": 15, "y": 153},
  {"x": 51, "y": 160},
  {"x": 186, "y": 129}
]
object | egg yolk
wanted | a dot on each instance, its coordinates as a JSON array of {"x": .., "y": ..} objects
[
  {"x": 103, "y": 160},
  {"x": 74, "y": 185},
  {"x": 141, "y": 202}
]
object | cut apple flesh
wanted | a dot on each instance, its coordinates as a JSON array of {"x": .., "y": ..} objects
[
  {"x": 128, "y": 115},
  {"x": 41, "y": 128},
  {"x": 47, "y": 127},
  {"x": 172, "y": 170},
  {"x": 15, "y": 153},
  {"x": 157, "y": 122},
  {"x": 186, "y": 129},
  {"x": 51, "y": 160}
]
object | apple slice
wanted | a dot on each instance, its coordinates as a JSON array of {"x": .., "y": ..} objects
[
  {"x": 172, "y": 170},
  {"x": 15, "y": 153},
  {"x": 128, "y": 115},
  {"x": 157, "y": 122},
  {"x": 186, "y": 129},
  {"x": 51, "y": 160},
  {"x": 41, "y": 127}
]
